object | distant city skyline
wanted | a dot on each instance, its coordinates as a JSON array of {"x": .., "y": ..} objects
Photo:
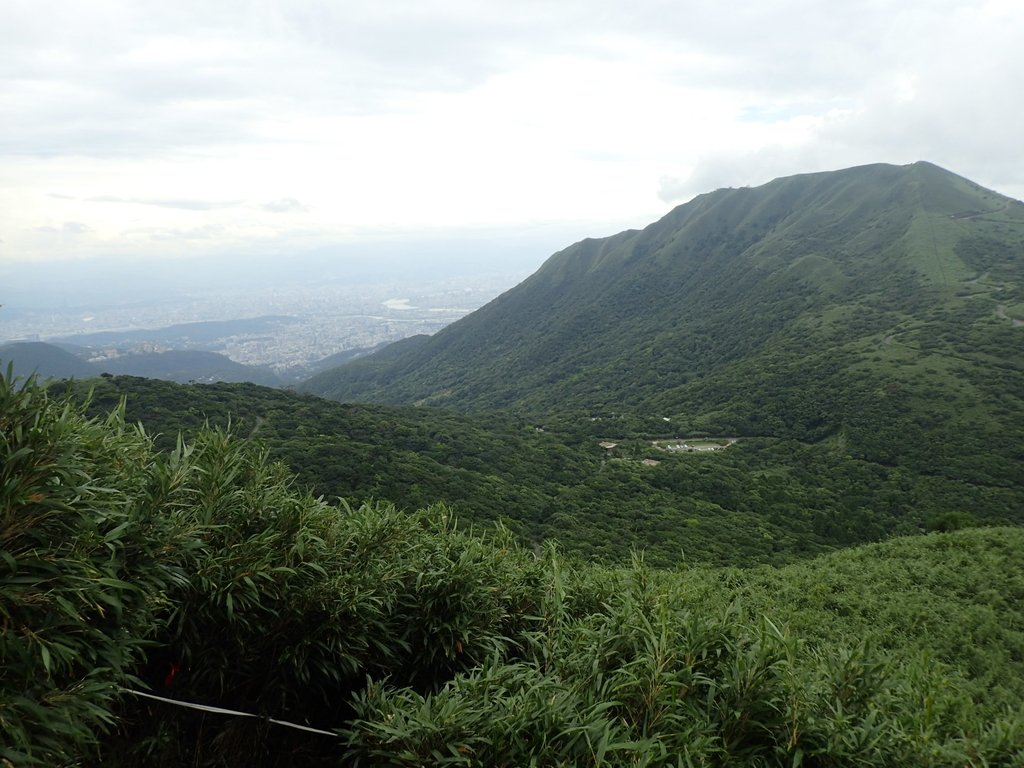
[
  {"x": 146, "y": 133},
  {"x": 301, "y": 324}
]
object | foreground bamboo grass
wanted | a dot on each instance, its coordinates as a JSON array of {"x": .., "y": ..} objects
[{"x": 203, "y": 574}]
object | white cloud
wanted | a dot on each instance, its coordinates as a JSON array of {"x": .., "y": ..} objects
[
  {"x": 285, "y": 205},
  {"x": 185, "y": 205},
  {"x": 205, "y": 121}
]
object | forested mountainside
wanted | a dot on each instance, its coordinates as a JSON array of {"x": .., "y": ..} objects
[
  {"x": 878, "y": 307},
  {"x": 757, "y": 500},
  {"x": 204, "y": 575}
]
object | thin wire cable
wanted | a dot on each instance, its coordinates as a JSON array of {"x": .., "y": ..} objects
[{"x": 222, "y": 711}]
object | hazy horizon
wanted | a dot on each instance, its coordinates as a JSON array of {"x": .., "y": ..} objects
[{"x": 148, "y": 132}]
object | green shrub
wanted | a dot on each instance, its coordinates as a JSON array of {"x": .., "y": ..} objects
[
  {"x": 290, "y": 603},
  {"x": 205, "y": 575},
  {"x": 652, "y": 679},
  {"x": 80, "y": 571}
]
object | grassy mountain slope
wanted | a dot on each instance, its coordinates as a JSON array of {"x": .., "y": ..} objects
[{"x": 879, "y": 307}]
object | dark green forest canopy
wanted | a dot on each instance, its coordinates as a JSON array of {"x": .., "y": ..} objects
[
  {"x": 759, "y": 500},
  {"x": 207, "y": 575}
]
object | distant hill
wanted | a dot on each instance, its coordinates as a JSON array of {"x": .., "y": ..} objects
[
  {"x": 184, "y": 366},
  {"x": 877, "y": 308},
  {"x": 181, "y": 335},
  {"x": 45, "y": 360},
  {"x": 365, "y": 372},
  {"x": 340, "y": 358},
  {"x": 52, "y": 361}
]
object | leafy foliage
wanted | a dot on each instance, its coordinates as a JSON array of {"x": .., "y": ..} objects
[
  {"x": 203, "y": 573},
  {"x": 80, "y": 571},
  {"x": 946, "y": 596},
  {"x": 652, "y": 679},
  {"x": 761, "y": 500}
]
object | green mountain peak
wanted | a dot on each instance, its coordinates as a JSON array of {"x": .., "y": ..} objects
[{"x": 878, "y": 307}]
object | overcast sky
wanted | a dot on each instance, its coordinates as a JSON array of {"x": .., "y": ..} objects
[{"x": 153, "y": 130}]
